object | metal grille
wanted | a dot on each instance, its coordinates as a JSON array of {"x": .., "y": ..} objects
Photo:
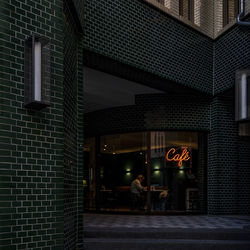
[{"x": 210, "y": 17}]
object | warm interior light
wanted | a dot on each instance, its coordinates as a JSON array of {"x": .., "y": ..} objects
[
  {"x": 37, "y": 71},
  {"x": 181, "y": 172},
  {"x": 171, "y": 155}
]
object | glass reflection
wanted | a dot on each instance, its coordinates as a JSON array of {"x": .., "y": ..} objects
[{"x": 169, "y": 161}]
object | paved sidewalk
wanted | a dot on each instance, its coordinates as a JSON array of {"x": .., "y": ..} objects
[{"x": 154, "y": 221}]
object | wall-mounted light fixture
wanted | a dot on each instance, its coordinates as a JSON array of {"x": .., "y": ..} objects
[
  {"x": 37, "y": 72},
  {"x": 242, "y": 95}
]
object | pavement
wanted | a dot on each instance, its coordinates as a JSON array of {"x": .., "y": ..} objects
[
  {"x": 166, "y": 232},
  {"x": 178, "y": 221}
]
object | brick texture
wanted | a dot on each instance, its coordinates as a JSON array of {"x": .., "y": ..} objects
[
  {"x": 232, "y": 52},
  {"x": 228, "y": 174},
  {"x": 223, "y": 156},
  {"x": 136, "y": 34},
  {"x": 41, "y": 152},
  {"x": 31, "y": 165},
  {"x": 70, "y": 130},
  {"x": 244, "y": 176},
  {"x": 145, "y": 38},
  {"x": 73, "y": 130},
  {"x": 151, "y": 112}
]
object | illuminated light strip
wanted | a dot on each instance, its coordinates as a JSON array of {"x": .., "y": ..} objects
[{"x": 184, "y": 156}]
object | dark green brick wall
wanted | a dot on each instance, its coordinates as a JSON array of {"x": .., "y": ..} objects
[
  {"x": 223, "y": 170},
  {"x": 31, "y": 143},
  {"x": 136, "y": 34},
  {"x": 36, "y": 158},
  {"x": 73, "y": 131},
  {"x": 244, "y": 175},
  {"x": 70, "y": 130},
  {"x": 232, "y": 52},
  {"x": 152, "y": 112},
  {"x": 229, "y": 161},
  {"x": 79, "y": 142}
]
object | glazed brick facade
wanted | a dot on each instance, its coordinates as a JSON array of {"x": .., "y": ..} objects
[
  {"x": 231, "y": 53},
  {"x": 244, "y": 175},
  {"x": 228, "y": 158},
  {"x": 223, "y": 168},
  {"x": 136, "y": 34},
  {"x": 151, "y": 112},
  {"x": 228, "y": 172},
  {"x": 37, "y": 172},
  {"x": 73, "y": 132},
  {"x": 31, "y": 142},
  {"x": 41, "y": 151}
]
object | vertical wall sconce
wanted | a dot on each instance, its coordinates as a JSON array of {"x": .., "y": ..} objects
[
  {"x": 242, "y": 95},
  {"x": 37, "y": 72}
]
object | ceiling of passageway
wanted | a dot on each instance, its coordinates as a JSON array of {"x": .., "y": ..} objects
[{"x": 102, "y": 90}]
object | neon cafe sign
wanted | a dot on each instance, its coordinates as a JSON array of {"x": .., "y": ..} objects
[{"x": 173, "y": 155}]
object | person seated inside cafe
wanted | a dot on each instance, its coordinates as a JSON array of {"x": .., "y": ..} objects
[{"x": 137, "y": 196}]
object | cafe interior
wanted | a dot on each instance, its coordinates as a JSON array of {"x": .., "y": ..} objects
[{"x": 170, "y": 161}]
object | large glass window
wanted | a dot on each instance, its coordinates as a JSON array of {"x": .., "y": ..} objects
[
  {"x": 172, "y": 163},
  {"x": 174, "y": 169}
]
